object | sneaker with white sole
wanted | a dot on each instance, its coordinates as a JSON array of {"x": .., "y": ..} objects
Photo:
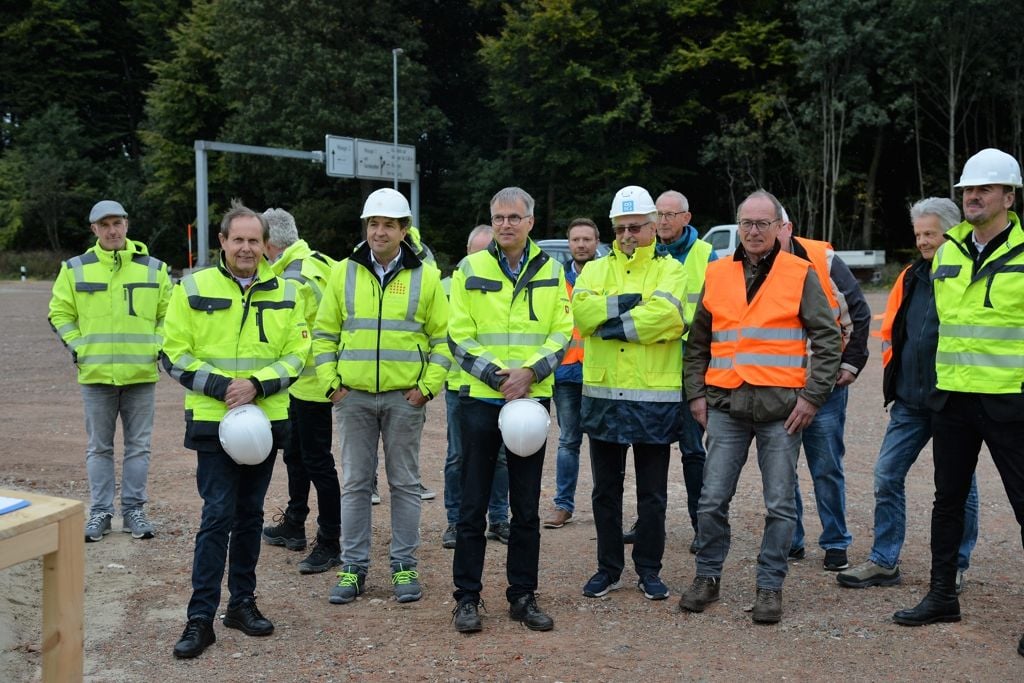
[
  {"x": 869, "y": 574},
  {"x": 427, "y": 494},
  {"x": 653, "y": 587},
  {"x": 97, "y": 526},
  {"x": 601, "y": 584},
  {"x": 136, "y": 524}
]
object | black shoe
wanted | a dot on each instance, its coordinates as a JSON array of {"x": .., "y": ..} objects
[
  {"x": 693, "y": 546},
  {"x": 500, "y": 532},
  {"x": 797, "y": 553},
  {"x": 1020, "y": 647},
  {"x": 629, "y": 536},
  {"x": 466, "y": 617},
  {"x": 285, "y": 531},
  {"x": 525, "y": 609},
  {"x": 325, "y": 554},
  {"x": 934, "y": 607},
  {"x": 448, "y": 537},
  {"x": 197, "y": 636},
  {"x": 247, "y": 619},
  {"x": 835, "y": 560}
]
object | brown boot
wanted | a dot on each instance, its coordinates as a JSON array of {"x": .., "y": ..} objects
[{"x": 557, "y": 518}]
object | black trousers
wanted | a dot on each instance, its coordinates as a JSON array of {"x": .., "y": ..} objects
[
  {"x": 481, "y": 441},
  {"x": 608, "y": 465},
  {"x": 959, "y": 429},
  {"x": 308, "y": 460}
]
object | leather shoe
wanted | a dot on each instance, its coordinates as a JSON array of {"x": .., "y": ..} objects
[
  {"x": 557, "y": 518},
  {"x": 629, "y": 535},
  {"x": 1020, "y": 647},
  {"x": 525, "y": 609},
  {"x": 933, "y": 608},
  {"x": 247, "y": 619},
  {"x": 466, "y": 617},
  {"x": 197, "y": 636}
]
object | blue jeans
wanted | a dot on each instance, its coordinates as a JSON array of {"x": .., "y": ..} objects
[
  {"x": 568, "y": 397},
  {"x": 824, "y": 450},
  {"x": 497, "y": 511},
  {"x": 230, "y": 528},
  {"x": 728, "y": 444},
  {"x": 908, "y": 432},
  {"x": 104, "y": 403},
  {"x": 691, "y": 445}
]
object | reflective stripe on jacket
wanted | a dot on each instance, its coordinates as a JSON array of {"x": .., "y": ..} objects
[
  {"x": 981, "y": 314},
  {"x": 311, "y": 270},
  {"x": 497, "y": 324},
  {"x": 378, "y": 338},
  {"x": 763, "y": 343},
  {"x": 215, "y": 332},
  {"x": 630, "y": 311},
  {"x": 108, "y": 308}
]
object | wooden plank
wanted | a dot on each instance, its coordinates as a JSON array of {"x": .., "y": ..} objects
[
  {"x": 42, "y": 511},
  {"x": 28, "y": 546},
  {"x": 64, "y": 603}
]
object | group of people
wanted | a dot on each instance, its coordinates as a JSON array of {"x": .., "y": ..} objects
[{"x": 657, "y": 342}]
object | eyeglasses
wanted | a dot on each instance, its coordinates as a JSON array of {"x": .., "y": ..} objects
[
  {"x": 669, "y": 215},
  {"x": 761, "y": 226},
  {"x": 633, "y": 229},
  {"x": 513, "y": 219}
]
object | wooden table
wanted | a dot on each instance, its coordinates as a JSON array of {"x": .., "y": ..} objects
[{"x": 52, "y": 528}]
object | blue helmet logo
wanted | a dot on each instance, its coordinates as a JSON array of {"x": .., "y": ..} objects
[{"x": 627, "y": 205}]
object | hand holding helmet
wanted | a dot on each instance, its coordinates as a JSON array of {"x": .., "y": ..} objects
[{"x": 245, "y": 434}]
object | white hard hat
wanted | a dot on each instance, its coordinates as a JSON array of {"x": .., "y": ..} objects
[
  {"x": 524, "y": 424},
  {"x": 630, "y": 200},
  {"x": 245, "y": 434},
  {"x": 387, "y": 203},
  {"x": 990, "y": 167}
]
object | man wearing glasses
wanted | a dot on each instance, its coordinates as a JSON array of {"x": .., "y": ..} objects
[
  {"x": 749, "y": 374},
  {"x": 509, "y": 327},
  {"x": 629, "y": 309}
]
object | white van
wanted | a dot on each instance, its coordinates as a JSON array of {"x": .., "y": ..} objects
[{"x": 722, "y": 239}]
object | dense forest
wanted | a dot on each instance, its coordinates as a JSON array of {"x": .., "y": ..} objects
[{"x": 848, "y": 110}]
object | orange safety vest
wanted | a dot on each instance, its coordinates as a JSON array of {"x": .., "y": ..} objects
[
  {"x": 573, "y": 352},
  {"x": 892, "y": 307},
  {"x": 762, "y": 342},
  {"x": 820, "y": 253}
]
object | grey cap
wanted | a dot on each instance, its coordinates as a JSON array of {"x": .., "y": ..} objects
[{"x": 108, "y": 207}]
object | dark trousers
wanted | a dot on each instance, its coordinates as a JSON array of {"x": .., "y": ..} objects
[
  {"x": 308, "y": 460},
  {"x": 230, "y": 528},
  {"x": 481, "y": 441},
  {"x": 608, "y": 465},
  {"x": 959, "y": 429},
  {"x": 691, "y": 445}
]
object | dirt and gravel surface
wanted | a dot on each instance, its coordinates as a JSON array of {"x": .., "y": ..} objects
[{"x": 136, "y": 591}]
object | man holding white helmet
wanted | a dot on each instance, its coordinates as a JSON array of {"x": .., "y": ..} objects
[
  {"x": 235, "y": 334},
  {"x": 510, "y": 324},
  {"x": 629, "y": 309},
  {"x": 380, "y": 346},
  {"x": 978, "y": 276}
]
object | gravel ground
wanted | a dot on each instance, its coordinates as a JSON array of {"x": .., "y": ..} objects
[{"x": 136, "y": 591}]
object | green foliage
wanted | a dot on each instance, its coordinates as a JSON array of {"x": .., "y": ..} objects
[{"x": 39, "y": 264}]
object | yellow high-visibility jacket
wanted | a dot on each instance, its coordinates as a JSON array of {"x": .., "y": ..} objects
[
  {"x": 378, "y": 338},
  {"x": 311, "y": 270},
  {"x": 630, "y": 310},
  {"x": 981, "y": 314},
  {"x": 108, "y": 308},
  {"x": 498, "y": 324},
  {"x": 215, "y": 332}
]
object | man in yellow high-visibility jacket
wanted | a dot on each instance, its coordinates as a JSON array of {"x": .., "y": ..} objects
[
  {"x": 108, "y": 308},
  {"x": 307, "y": 453},
  {"x": 978, "y": 276},
  {"x": 380, "y": 345},
  {"x": 509, "y": 328},
  {"x": 235, "y": 334}
]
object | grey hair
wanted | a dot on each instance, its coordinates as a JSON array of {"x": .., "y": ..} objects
[
  {"x": 476, "y": 232},
  {"x": 678, "y": 196},
  {"x": 942, "y": 208},
  {"x": 283, "y": 232},
  {"x": 240, "y": 210},
  {"x": 762, "y": 194},
  {"x": 784, "y": 216},
  {"x": 509, "y": 195}
]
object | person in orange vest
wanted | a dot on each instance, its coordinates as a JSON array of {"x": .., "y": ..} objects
[
  {"x": 761, "y": 358},
  {"x": 910, "y": 335},
  {"x": 583, "y": 238},
  {"x": 823, "y": 441}
]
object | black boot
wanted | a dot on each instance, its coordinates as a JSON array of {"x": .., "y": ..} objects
[
  {"x": 286, "y": 531},
  {"x": 938, "y": 605},
  {"x": 198, "y": 635},
  {"x": 325, "y": 554}
]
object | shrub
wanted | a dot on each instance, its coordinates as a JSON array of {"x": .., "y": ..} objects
[{"x": 39, "y": 265}]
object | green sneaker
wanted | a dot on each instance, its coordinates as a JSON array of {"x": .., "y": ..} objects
[
  {"x": 406, "y": 583},
  {"x": 350, "y": 584}
]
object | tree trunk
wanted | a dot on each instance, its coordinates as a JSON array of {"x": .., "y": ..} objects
[{"x": 869, "y": 191}]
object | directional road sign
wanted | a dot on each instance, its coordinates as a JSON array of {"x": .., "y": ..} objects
[
  {"x": 377, "y": 160},
  {"x": 340, "y": 156}
]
